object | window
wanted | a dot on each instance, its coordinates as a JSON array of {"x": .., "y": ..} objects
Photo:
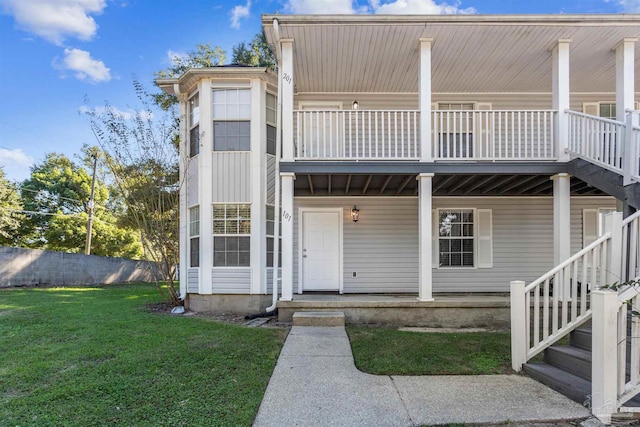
[
  {"x": 194, "y": 125},
  {"x": 231, "y": 120},
  {"x": 231, "y": 235},
  {"x": 271, "y": 124},
  {"x": 607, "y": 110},
  {"x": 456, "y": 237},
  {"x": 270, "y": 239},
  {"x": 456, "y": 106},
  {"x": 194, "y": 237},
  {"x": 455, "y": 129}
]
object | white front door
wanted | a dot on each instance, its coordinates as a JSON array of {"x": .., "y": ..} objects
[{"x": 321, "y": 251}]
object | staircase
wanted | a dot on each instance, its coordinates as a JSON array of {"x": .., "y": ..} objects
[{"x": 567, "y": 368}]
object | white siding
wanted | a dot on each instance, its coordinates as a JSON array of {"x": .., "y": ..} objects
[
  {"x": 192, "y": 280},
  {"x": 270, "y": 281},
  {"x": 231, "y": 180},
  {"x": 382, "y": 248},
  {"x": 229, "y": 280},
  {"x": 192, "y": 183}
]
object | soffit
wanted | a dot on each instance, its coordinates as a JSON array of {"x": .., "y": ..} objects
[{"x": 367, "y": 55}]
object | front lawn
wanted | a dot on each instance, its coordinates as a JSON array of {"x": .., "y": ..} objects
[
  {"x": 384, "y": 351},
  {"x": 97, "y": 356}
]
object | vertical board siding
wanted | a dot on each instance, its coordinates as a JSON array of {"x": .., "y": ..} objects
[
  {"x": 231, "y": 177},
  {"x": 229, "y": 280},
  {"x": 382, "y": 247},
  {"x": 192, "y": 182},
  {"x": 270, "y": 181},
  {"x": 192, "y": 280}
]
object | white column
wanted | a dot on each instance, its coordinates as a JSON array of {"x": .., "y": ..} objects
[
  {"x": 604, "y": 366},
  {"x": 287, "y": 179},
  {"x": 613, "y": 224},
  {"x": 561, "y": 217},
  {"x": 624, "y": 77},
  {"x": 560, "y": 83},
  {"x": 205, "y": 196},
  {"x": 518, "y": 325},
  {"x": 287, "y": 99},
  {"x": 426, "y": 153},
  {"x": 425, "y": 291},
  {"x": 184, "y": 219},
  {"x": 258, "y": 198}
]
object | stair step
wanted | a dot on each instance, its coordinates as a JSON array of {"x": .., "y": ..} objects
[
  {"x": 318, "y": 318},
  {"x": 575, "y": 388},
  {"x": 581, "y": 338},
  {"x": 574, "y": 360}
]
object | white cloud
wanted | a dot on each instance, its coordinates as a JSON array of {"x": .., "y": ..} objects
[
  {"x": 312, "y": 7},
  {"x": 55, "y": 20},
  {"x": 407, "y": 7},
  {"x": 176, "y": 57},
  {"x": 239, "y": 12},
  {"x": 16, "y": 163},
  {"x": 630, "y": 6},
  {"x": 127, "y": 114},
  {"x": 84, "y": 66},
  {"x": 418, "y": 7}
]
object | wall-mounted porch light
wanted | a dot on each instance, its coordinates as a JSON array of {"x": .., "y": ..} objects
[
  {"x": 355, "y": 214},
  {"x": 355, "y": 105}
]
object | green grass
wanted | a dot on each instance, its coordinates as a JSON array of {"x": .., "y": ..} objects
[
  {"x": 385, "y": 351},
  {"x": 96, "y": 356}
]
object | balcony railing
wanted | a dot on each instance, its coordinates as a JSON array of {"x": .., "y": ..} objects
[
  {"x": 597, "y": 140},
  {"x": 395, "y": 135}
]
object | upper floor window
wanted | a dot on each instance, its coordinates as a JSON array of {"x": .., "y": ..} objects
[
  {"x": 456, "y": 106},
  {"x": 231, "y": 120},
  {"x": 607, "y": 110},
  {"x": 194, "y": 125},
  {"x": 271, "y": 123}
]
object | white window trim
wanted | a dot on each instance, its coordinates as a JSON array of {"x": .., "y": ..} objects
[
  {"x": 193, "y": 236},
  {"x": 436, "y": 233},
  {"x": 214, "y": 235}
]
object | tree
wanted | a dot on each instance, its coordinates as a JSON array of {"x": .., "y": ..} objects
[
  {"x": 142, "y": 156},
  {"x": 256, "y": 54},
  {"x": 10, "y": 212},
  {"x": 203, "y": 56},
  {"x": 59, "y": 191}
]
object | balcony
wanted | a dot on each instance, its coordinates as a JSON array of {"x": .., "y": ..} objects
[{"x": 395, "y": 135}]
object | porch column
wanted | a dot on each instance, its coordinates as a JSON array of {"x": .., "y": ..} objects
[
  {"x": 425, "y": 291},
  {"x": 205, "y": 197},
  {"x": 625, "y": 98},
  {"x": 287, "y": 179},
  {"x": 562, "y": 222},
  {"x": 287, "y": 99},
  {"x": 258, "y": 197},
  {"x": 560, "y": 82},
  {"x": 426, "y": 151}
]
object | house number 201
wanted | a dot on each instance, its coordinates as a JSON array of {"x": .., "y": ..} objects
[
  {"x": 286, "y": 77},
  {"x": 286, "y": 215}
]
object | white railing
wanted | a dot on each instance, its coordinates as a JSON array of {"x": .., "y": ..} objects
[
  {"x": 597, "y": 140},
  {"x": 357, "y": 135},
  {"x": 634, "y": 151},
  {"x": 494, "y": 135},
  {"x": 556, "y": 303}
]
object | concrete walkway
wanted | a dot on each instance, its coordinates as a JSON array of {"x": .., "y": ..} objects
[{"x": 316, "y": 383}]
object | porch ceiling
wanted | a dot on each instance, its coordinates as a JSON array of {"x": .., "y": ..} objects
[
  {"x": 364, "y": 53},
  {"x": 443, "y": 185}
]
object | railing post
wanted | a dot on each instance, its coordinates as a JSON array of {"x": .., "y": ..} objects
[
  {"x": 613, "y": 224},
  {"x": 628, "y": 149},
  {"x": 518, "y": 325},
  {"x": 604, "y": 367}
]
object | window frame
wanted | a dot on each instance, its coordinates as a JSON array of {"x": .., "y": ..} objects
[
  {"x": 474, "y": 238},
  {"x": 226, "y": 234},
  {"x": 194, "y": 236},
  {"x": 270, "y": 235},
  {"x": 194, "y": 125},
  {"x": 239, "y": 118}
]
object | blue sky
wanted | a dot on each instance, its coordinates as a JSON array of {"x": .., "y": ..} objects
[{"x": 56, "y": 53}]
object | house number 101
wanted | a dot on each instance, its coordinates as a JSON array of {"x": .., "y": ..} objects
[{"x": 286, "y": 215}]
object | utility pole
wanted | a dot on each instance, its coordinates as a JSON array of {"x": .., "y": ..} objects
[{"x": 91, "y": 205}]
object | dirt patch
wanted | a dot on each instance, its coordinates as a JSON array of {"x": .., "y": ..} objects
[{"x": 231, "y": 318}]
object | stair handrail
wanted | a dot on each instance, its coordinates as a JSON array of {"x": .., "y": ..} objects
[{"x": 606, "y": 236}]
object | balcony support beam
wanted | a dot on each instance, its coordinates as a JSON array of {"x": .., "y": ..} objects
[
  {"x": 561, "y": 97},
  {"x": 624, "y": 77},
  {"x": 426, "y": 152},
  {"x": 561, "y": 217},
  {"x": 287, "y": 179},
  {"x": 425, "y": 291}
]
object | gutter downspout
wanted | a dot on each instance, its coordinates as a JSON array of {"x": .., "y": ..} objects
[{"x": 277, "y": 208}]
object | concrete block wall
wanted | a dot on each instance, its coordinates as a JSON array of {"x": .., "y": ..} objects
[{"x": 32, "y": 267}]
